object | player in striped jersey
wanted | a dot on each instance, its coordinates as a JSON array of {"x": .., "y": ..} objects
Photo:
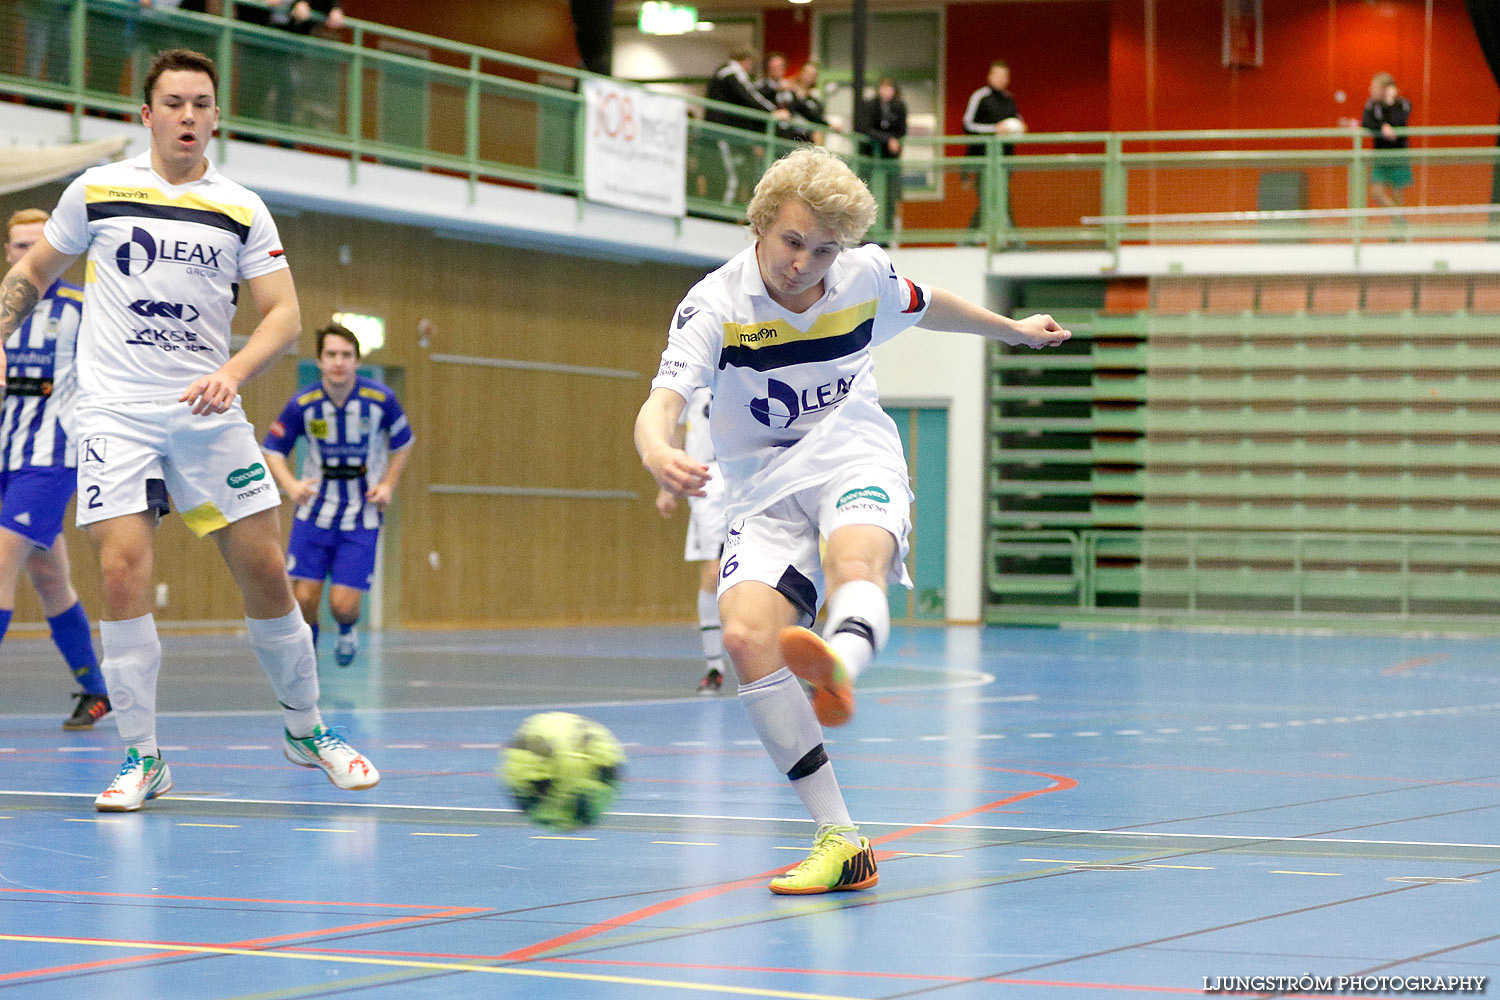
[
  {"x": 38, "y": 471},
  {"x": 358, "y": 442},
  {"x": 173, "y": 245}
]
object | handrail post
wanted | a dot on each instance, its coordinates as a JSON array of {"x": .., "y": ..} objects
[
  {"x": 1357, "y": 188},
  {"x": 78, "y": 32},
  {"x": 224, "y": 55},
  {"x": 1112, "y": 196},
  {"x": 471, "y": 126},
  {"x": 355, "y": 88},
  {"x": 1004, "y": 222}
]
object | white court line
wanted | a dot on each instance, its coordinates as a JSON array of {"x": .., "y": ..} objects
[
  {"x": 960, "y": 679},
  {"x": 981, "y": 828}
]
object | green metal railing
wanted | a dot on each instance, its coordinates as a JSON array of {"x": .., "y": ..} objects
[
  {"x": 386, "y": 94},
  {"x": 1103, "y": 189},
  {"x": 406, "y": 98}
]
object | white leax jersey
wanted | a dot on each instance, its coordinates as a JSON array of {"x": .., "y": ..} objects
[
  {"x": 794, "y": 397},
  {"x": 164, "y": 266},
  {"x": 38, "y": 411}
]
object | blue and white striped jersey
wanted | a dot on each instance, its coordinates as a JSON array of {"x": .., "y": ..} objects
[
  {"x": 41, "y": 382},
  {"x": 348, "y": 448}
]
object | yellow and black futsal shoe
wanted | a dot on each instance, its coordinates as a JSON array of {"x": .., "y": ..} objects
[{"x": 836, "y": 864}]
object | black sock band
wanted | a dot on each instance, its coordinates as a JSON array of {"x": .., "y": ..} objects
[
  {"x": 810, "y": 762},
  {"x": 859, "y": 627}
]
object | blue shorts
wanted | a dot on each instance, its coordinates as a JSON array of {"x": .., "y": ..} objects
[
  {"x": 33, "y": 501},
  {"x": 347, "y": 558}
]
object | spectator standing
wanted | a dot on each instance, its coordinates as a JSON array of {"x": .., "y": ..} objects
[
  {"x": 807, "y": 104},
  {"x": 1386, "y": 111},
  {"x": 731, "y": 84},
  {"x": 881, "y": 123},
  {"x": 992, "y": 111}
]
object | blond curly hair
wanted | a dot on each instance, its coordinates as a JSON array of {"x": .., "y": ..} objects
[{"x": 839, "y": 200}]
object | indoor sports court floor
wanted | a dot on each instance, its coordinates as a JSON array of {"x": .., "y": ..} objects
[{"x": 1058, "y": 813}]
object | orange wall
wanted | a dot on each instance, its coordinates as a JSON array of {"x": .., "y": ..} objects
[{"x": 1312, "y": 49}]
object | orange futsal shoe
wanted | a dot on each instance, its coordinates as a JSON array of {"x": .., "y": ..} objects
[{"x": 813, "y": 660}]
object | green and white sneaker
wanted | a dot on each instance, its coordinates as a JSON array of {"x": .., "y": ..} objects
[
  {"x": 345, "y": 766},
  {"x": 140, "y": 778},
  {"x": 836, "y": 864}
]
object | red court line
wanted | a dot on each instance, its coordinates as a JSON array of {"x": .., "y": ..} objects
[
  {"x": 1059, "y": 783},
  {"x": 1405, "y": 665},
  {"x": 439, "y": 913}
]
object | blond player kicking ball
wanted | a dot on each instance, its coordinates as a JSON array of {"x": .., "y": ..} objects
[
  {"x": 782, "y": 335},
  {"x": 170, "y": 244}
]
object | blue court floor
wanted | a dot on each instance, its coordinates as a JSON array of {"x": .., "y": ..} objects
[{"x": 1058, "y": 814}]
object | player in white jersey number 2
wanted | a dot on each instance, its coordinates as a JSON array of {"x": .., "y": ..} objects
[
  {"x": 782, "y": 335},
  {"x": 169, "y": 242}
]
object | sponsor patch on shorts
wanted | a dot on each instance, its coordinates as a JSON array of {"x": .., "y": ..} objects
[{"x": 864, "y": 493}]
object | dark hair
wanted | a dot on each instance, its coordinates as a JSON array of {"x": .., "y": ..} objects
[
  {"x": 171, "y": 59},
  {"x": 999, "y": 64},
  {"x": 335, "y": 330}
]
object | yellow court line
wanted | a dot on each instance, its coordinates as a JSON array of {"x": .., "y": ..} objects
[
  {"x": 102, "y": 819},
  {"x": 216, "y": 826},
  {"x": 673, "y": 843},
  {"x": 586, "y": 977},
  {"x": 445, "y": 835},
  {"x": 1191, "y": 868},
  {"x": 1328, "y": 874},
  {"x": 544, "y": 837},
  {"x": 319, "y": 829}
]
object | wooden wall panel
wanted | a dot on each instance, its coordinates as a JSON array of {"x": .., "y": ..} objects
[{"x": 501, "y": 560}]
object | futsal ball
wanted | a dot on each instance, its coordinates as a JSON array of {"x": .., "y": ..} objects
[
  {"x": 1014, "y": 126},
  {"x": 562, "y": 769}
]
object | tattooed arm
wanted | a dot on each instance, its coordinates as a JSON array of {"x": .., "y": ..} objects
[{"x": 22, "y": 285}]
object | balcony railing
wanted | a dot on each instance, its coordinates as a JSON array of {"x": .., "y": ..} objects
[{"x": 382, "y": 93}]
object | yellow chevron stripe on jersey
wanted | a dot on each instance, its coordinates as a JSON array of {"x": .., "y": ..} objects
[
  {"x": 757, "y": 336},
  {"x": 70, "y": 293},
  {"x": 243, "y": 214},
  {"x": 310, "y": 397},
  {"x": 89, "y": 277},
  {"x": 375, "y": 394}
]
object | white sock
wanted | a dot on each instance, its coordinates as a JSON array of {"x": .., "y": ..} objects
[
  {"x": 711, "y": 630},
  {"x": 784, "y": 720},
  {"x": 285, "y": 651},
  {"x": 859, "y": 623},
  {"x": 132, "y": 661}
]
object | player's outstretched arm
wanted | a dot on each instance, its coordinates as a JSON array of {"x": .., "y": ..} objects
[
  {"x": 958, "y": 315},
  {"x": 275, "y": 298},
  {"x": 23, "y": 285},
  {"x": 672, "y": 468}
]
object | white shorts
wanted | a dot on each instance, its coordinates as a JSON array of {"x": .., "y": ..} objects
[
  {"x": 781, "y": 545},
  {"x": 131, "y": 454},
  {"x": 707, "y": 525}
]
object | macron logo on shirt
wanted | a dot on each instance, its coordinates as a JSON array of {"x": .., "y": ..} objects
[{"x": 687, "y": 313}]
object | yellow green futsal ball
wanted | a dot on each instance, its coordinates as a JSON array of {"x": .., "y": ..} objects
[{"x": 561, "y": 769}]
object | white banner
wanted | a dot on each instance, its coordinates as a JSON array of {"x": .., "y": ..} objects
[{"x": 635, "y": 148}]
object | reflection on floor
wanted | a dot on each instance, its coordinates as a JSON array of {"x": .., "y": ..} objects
[{"x": 1058, "y": 814}]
